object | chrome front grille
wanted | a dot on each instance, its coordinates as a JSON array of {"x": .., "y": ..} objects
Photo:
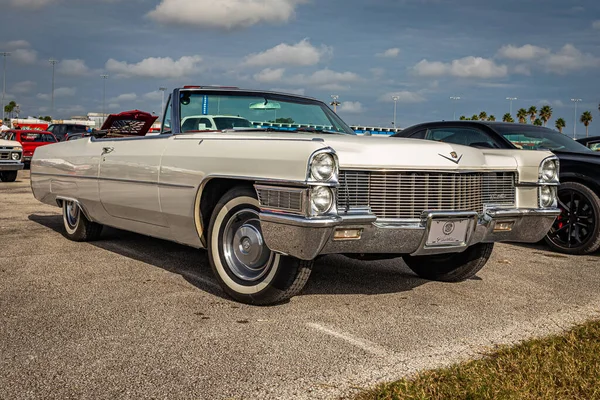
[
  {"x": 281, "y": 199},
  {"x": 4, "y": 155},
  {"x": 405, "y": 195}
]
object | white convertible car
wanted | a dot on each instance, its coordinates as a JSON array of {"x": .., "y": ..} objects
[{"x": 266, "y": 182}]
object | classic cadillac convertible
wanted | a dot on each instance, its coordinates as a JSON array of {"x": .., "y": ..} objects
[{"x": 266, "y": 182}]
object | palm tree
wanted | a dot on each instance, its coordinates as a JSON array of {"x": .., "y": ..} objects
[
  {"x": 560, "y": 124},
  {"x": 491, "y": 118},
  {"x": 462, "y": 118},
  {"x": 522, "y": 115},
  {"x": 532, "y": 112},
  {"x": 475, "y": 117},
  {"x": 483, "y": 116},
  {"x": 585, "y": 119},
  {"x": 537, "y": 122},
  {"x": 10, "y": 108},
  {"x": 507, "y": 118},
  {"x": 545, "y": 114}
]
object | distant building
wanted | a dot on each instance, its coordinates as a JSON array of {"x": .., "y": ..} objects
[{"x": 372, "y": 131}]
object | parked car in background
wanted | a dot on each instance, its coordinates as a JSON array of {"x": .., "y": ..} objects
[
  {"x": 265, "y": 201},
  {"x": 11, "y": 154},
  {"x": 31, "y": 140},
  {"x": 61, "y": 131},
  {"x": 592, "y": 143},
  {"x": 577, "y": 229}
]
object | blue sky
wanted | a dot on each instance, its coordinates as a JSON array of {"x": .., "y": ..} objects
[{"x": 423, "y": 51}]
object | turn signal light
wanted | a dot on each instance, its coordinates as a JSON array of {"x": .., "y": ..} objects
[
  {"x": 347, "y": 234},
  {"x": 504, "y": 226}
]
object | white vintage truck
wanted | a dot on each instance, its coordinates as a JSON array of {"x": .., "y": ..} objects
[
  {"x": 11, "y": 156},
  {"x": 290, "y": 182}
]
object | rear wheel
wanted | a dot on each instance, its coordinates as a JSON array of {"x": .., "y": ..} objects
[
  {"x": 577, "y": 228},
  {"x": 454, "y": 267},
  {"x": 77, "y": 227},
  {"x": 8, "y": 176},
  {"x": 245, "y": 267}
]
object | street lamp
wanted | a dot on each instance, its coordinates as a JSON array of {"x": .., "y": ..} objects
[
  {"x": 162, "y": 102},
  {"x": 575, "y": 120},
  {"x": 395, "y": 98},
  {"x": 4, "y": 54},
  {"x": 455, "y": 99},
  {"x": 511, "y": 100},
  {"x": 104, "y": 78},
  {"x": 53, "y": 62},
  {"x": 335, "y": 102}
]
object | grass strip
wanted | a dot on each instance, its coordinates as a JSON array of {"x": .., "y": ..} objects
[{"x": 565, "y": 366}]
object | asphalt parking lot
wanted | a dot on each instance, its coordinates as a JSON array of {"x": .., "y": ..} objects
[{"x": 136, "y": 317}]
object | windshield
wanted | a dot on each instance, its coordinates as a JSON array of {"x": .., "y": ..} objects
[
  {"x": 538, "y": 138},
  {"x": 219, "y": 111}
]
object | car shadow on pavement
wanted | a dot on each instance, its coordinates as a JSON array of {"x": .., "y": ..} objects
[
  {"x": 334, "y": 274},
  {"x": 544, "y": 250}
]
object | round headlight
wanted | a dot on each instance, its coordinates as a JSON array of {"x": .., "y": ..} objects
[
  {"x": 321, "y": 199},
  {"x": 549, "y": 170},
  {"x": 547, "y": 196},
  {"x": 16, "y": 156},
  {"x": 322, "y": 167}
]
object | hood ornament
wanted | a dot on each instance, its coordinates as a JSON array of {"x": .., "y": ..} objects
[{"x": 455, "y": 158}]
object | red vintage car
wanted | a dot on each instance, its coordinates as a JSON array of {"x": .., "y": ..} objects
[{"x": 30, "y": 140}]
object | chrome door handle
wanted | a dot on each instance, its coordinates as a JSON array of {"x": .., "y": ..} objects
[{"x": 106, "y": 150}]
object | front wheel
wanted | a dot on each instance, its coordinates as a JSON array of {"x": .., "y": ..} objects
[
  {"x": 8, "y": 176},
  {"x": 245, "y": 267},
  {"x": 577, "y": 228},
  {"x": 454, "y": 267}
]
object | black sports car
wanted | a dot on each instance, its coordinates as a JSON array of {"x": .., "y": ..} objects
[
  {"x": 577, "y": 229},
  {"x": 593, "y": 143}
]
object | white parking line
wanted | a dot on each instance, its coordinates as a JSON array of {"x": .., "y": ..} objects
[{"x": 366, "y": 345}]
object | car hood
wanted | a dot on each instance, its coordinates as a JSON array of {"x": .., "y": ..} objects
[{"x": 9, "y": 143}]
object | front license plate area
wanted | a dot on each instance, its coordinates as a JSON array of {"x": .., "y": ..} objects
[{"x": 448, "y": 232}]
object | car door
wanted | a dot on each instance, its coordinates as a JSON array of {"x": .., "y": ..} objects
[{"x": 128, "y": 178}]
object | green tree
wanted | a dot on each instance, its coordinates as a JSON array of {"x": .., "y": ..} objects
[
  {"x": 545, "y": 114},
  {"x": 491, "y": 118},
  {"x": 475, "y": 117},
  {"x": 462, "y": 118},
  {"x": 10, "y": 108},
  {"x": 560, "y": 124},
  {"x": 522, "y": 115},
  {"x": 483, "y": 116},
  {"x": 538, "y": 122},
  {"x": 507, "y": 118},
  {"x": 586, "y": 119},
  {"x": 532, "y": 112}
]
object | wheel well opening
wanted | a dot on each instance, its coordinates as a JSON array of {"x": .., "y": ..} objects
[
  {"x": 594, "y": 187},
  {"x": 212, "y": 192}
]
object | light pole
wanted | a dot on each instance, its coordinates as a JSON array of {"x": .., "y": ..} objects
[
  {"x": 335, "y": 102},
  {"x": 162, "y": 102},
  {"x": 53, "y": 62},
  {"x": 4, "y": 54},
  {"x": 104, "y": 78},
  {"x": 575, "y": 120},
  {"x": 454, "y": 100},
  {"x": 395, "y": 98},
  {"x": 510, "y": 99}
]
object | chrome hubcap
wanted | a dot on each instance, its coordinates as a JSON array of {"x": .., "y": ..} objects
[
  {"x": 72, "y": 214},
  {"x": 246, "y": 253}
]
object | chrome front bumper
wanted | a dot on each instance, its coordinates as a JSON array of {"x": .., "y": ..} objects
[
  {"x": 11, "y": 166},
  {"x": 306, "y": 238}
]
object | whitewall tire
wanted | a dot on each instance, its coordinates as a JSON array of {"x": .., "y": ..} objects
[{"x": 77, "y": 227}]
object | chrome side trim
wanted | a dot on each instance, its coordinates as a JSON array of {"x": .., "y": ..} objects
[
  {"x": 114, "y": 180},
  {"x": 327, "y": 222}
]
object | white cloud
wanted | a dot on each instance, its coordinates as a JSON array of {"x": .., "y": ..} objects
[
  {"x": 30, "y": 4},
  {"x": 324, "y": 78},
  {"x": 569, "y": 58},
  {"x": 522, "y": 69},
  {"x": 301, "y": 54},
  {"x": 525, "y": 52},
  {"x": 596, "y": 24},
  {"x": 269, "y": 75},
  {"x": 71, "y": 110},
  {"x": 224, "y": 14},
  {"x": 17, "y": 44},
  {"x": 467, "y": 67},
  {"x": 24, "y": 56},
  {"x": 74, "y": 67},
  {"x": 24, "y": 87},
  {"x": 125, "y": 97},
  {"x": 390, "y": 53},
  {"x": 43, "y": 96},
  {"x": 65, "y": 92},
  {"x": 404, "y": 96},
  {"x": 350, "y": 107},
  {"x": 156, "y": 67},
  {"x": 291, "y": 91},
  {"x": 377, "y": 72},
  {"x": 156, "y": 95}
]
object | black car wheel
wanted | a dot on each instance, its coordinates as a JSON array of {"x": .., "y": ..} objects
[{"x": 577, "y": 228}]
